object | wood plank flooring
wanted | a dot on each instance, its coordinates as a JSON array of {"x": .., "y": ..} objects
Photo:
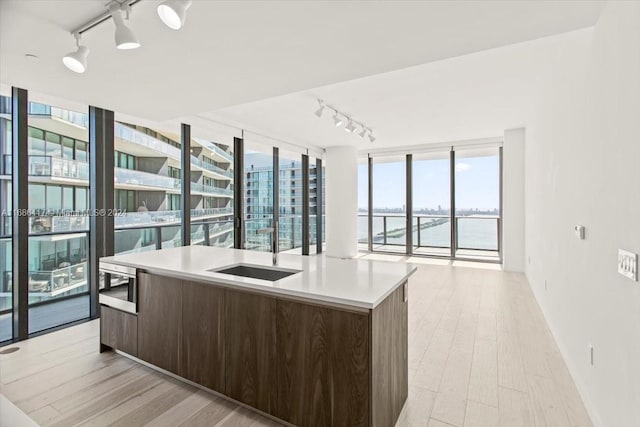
[{"x": 480, "y": 354}]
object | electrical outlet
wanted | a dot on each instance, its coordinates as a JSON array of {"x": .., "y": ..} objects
[{"x": 628, "y": 264}]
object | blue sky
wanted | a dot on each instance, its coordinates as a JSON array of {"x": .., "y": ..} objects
[{"x": 477, "y": 182}]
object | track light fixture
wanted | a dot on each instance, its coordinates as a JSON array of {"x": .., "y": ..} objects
[
  {"x": 339, "y": 118},
  {"x": 350, "y": 127},
  {"x": 321, "y": 109},
  {"x": 173, "y": 13},
  {"x": 77, "y": 61},
  {"x": 125, "y": 38}
]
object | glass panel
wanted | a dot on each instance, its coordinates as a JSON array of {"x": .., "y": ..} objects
[
  {"x": 58, "y": 280},
  {"x": 363, "y": 204},
  {"x": 67, "y": 198},
  {"x": 36, "y": 142},
  {"x": 67, "y": 148},
  {"x": 81, "y": 199},
  {"x": 6, "y": 188},
  {"x": 389, "y": 199},
  {"x": 54, "y": 197},
  {"x": 477, "y": 202},
  {"x": 53, "y": 147},
  {"x": 58, "y": 289},
  {"x": 212, "y": 191},
  {"x": 81, "y": 151},
  {"x": 37, "y": 196},
  {"x": 431, "y": 203},
  {"x": 258, "y": 188},
  {"x": 313, "y": 205},
  {"x": 290, "y": 199}
]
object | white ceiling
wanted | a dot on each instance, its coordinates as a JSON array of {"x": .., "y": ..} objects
[
  {"x": 469, "y": 97},
  {"x": 236, "y": 52}
]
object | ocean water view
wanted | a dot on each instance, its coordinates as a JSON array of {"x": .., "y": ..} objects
[{"x": 474, "y": 232}]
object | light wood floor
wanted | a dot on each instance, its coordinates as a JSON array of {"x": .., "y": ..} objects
[{"x": 480, "y": 354}]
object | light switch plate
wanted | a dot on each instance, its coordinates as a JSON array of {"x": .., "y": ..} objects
[
  {"x": 628, "y": 264},
  {"x": 579, "y": 229}
]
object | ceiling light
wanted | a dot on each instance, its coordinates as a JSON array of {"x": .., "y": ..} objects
[
  {"x": 125, "y": 38},
  {"x": 321, "y": 109},
  {"x": 363, "y": 132},
  {"x": 337, "y": 120},
  {"x": 173, "y": 12},
  {"x": 350, "y": 127},
  {"x": 371, "y": 137},
  {"x": 77, "y": 61}
]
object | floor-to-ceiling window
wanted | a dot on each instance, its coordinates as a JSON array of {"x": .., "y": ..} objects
[
  {"x": 431, "y": 217},
  {"x": 58, "y": 246},
  {"x": 6, "y": 187},
  {"x": 363, "y": 204},
  {"x": 290, "y": 199},
  {"x": 389, "y": 204},
  {"x": 211, "y": 190},
  {"x": 477, "y": 201},
  {"x": 258, "y": 195},
  {"x": 472, "y": 185}
]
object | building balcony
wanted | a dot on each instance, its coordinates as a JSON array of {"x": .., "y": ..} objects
[
  {"x": 130, "y": 177},
  {"x": 210, "y": 190}
]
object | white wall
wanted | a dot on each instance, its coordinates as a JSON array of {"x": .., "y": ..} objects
[
  {"x": 583, "y": 167},
  {"x": 513, "y": 214},
  {"x": 342, "y": 201}
]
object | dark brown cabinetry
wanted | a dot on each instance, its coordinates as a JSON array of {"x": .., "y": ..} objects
[
  {"x": 160, "y": 321},
  {"x": 389, "y": 353},
  {"x": 203, "y": 330},
  {"x": 305, "y": 363},
  {"x": 323, "y": 365},
  {"x": 250, "y": 348},
  {"x": 119, "y": 330}
]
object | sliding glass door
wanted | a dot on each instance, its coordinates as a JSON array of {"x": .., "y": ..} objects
[
  {"x": 454, "y": 201},
  {"x": 432, "y": 203},
  {"x": 389, "y": 204},
  {"x": 477, "y": 201}
]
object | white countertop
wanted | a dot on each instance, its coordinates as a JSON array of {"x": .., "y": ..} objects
[{"x": 352, "y": 282}]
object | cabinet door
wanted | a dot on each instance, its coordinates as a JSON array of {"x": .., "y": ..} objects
[
  {"x": 160, "y": 321},
  {"x": 250, "y": 349},
  {"x": 203, "y": 335},
  {"x": 119, "y": 330},
  {"x": 323, "y": 365}
]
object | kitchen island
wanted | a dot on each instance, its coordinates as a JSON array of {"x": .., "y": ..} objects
[{"x": 326, "y": 345}]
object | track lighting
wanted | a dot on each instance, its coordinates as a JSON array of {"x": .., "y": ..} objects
[
  {"x": 77, "y": 61},
  {"x": 350, "y": 127},
  {"x": 173, "y": 12},
  {"x": 125, "y": 38},
  {"x": 353, "y": 126},
  {"x": 321, "y": 109}
]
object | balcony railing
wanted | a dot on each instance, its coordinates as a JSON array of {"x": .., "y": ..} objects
[
  {"x": 209, "y": 189},
  {"x": 51, "y": 166},
  {"x": 215, "y": 149},
  {"x": 135, "y": 177},
  {"x": 474, "y": 233}
]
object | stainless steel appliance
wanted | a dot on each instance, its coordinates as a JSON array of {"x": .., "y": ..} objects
[{"x": 118, "y": 287}]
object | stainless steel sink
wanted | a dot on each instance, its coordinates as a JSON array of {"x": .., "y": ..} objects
[{"x": 255, "y": 271}]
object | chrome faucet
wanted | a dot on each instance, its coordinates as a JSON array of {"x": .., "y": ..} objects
[{"x": 274, "y": 239}]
